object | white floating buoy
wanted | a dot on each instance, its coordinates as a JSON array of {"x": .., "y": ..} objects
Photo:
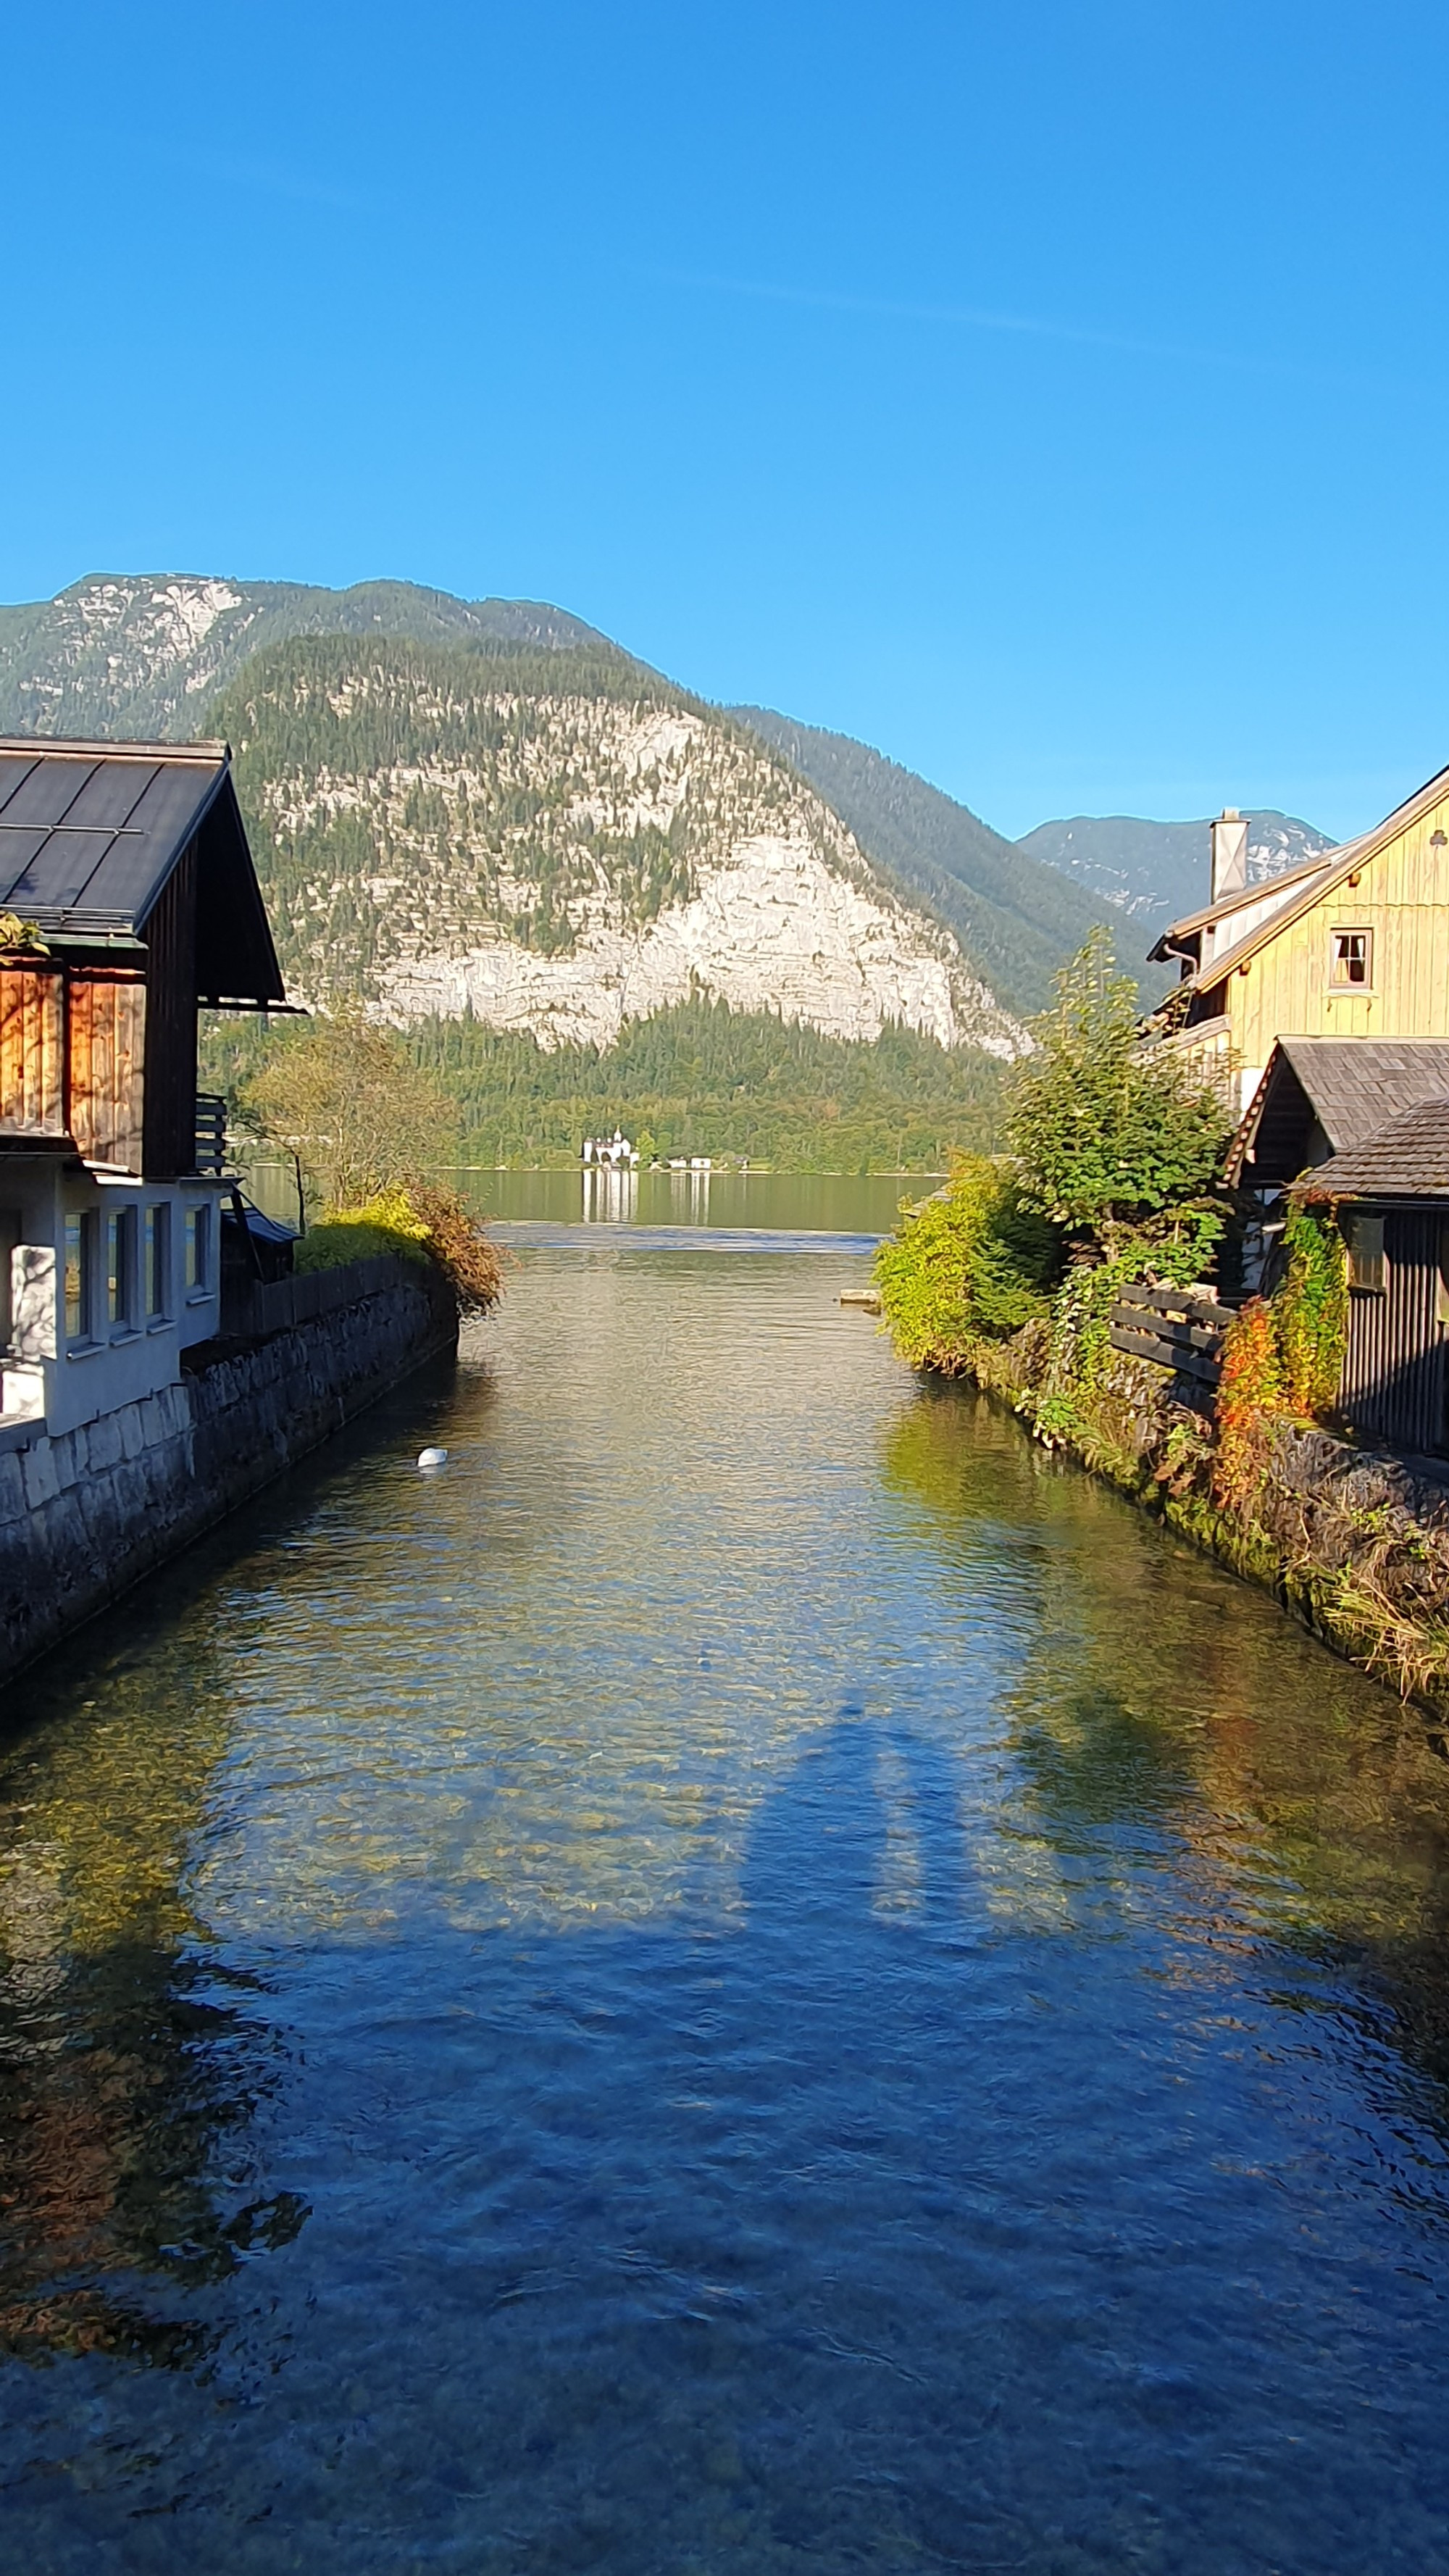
[{"x": 432, "y": 1457}]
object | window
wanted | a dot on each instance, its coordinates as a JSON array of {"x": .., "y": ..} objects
[
  {"x": 157, "y": 1258},
  {"x": 121, "y": 1270},
  {"x": 198, "y": 1250},
  {"x": 1366, "y": 1253},
  {"x": 80, "y": 1277},
  {"x": 1351, "y": 960}
]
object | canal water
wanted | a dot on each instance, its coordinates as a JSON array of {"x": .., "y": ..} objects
[{"x": 752, "y": 1976}]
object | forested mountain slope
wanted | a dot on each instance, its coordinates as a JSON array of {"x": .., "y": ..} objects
[
  {"x": 138, "y": 654},
  {"x": 558, "y": 841},
  {"x": 1017, "y": 920},
  {"x": 1156, "y": 872}
]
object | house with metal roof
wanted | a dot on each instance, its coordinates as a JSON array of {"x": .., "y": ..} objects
[
  {"x": 1353, "y": 945},
  {"x": 128, "y": 900}
]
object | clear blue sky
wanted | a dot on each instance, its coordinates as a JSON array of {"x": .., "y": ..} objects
[{"x": 1055, "y": 396}]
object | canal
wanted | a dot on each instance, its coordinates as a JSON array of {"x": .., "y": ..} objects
[{"x": 753, "y": 1976}]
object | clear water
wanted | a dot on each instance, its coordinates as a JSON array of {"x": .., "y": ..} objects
[{"x": 754, "y": 1976}]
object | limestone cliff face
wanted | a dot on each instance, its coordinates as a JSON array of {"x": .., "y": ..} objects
[{"x": 557, "y": 847}]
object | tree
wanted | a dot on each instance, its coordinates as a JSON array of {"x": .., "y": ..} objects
[
  {"x": 348, "y": 1098},
  {"x": 1113, "y": 1139}
]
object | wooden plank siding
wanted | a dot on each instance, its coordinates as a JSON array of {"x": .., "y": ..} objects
[
  {"x": 107, "y": 1066},
  {"x": 1393, "y": 1385},
  {"x": 32, "y": 1051}
]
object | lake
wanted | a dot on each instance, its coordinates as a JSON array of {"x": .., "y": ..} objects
[{"x": 755, "y": 1975}]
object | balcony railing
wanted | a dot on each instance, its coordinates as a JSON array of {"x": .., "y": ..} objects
[{"x": 210, "y": 1132}]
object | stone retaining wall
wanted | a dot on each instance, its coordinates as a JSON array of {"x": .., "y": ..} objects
[{"x": 85, "y": 1514}]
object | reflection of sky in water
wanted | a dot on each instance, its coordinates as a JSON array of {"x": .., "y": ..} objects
[{"x": 754, "y": 1976}]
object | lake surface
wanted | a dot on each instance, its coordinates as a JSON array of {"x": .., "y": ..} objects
[
  {"x": 753, "y": 1976},
  {"x": 751, "y": 1202}
]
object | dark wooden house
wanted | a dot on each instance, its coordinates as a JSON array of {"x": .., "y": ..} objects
[{"x": 131, "y": 862}]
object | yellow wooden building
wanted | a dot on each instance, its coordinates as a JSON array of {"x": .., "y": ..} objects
[{"x": 1354, "y": 943}]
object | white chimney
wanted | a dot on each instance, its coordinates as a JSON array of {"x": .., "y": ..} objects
[{"x": 1230, "y": 853}]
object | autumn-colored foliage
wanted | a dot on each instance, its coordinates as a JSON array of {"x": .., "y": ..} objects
[{"x": 1251, "y": 1386}]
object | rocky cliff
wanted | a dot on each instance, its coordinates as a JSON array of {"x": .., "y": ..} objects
[{"x": 558, "y": 841}]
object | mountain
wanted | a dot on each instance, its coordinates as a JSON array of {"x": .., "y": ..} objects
[
  {"x": 136, "y": 655},
  {"x": 1156, "y": 872},
  {"x": 1017, "y": 919},
  {"x": 556, "y": 840}
]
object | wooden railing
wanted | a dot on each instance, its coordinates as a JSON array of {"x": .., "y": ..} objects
[
  {"x": 1171, "y": 1327},
  {"x": 210, "y": 1132}
]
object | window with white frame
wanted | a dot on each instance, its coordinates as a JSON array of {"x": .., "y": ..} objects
[
  {"x": 156, "y": 1261},
  {"x": 198, "y": 1250},
  {"x": 79, "y": 1278},
  {"x": 121, "y": 1270}
]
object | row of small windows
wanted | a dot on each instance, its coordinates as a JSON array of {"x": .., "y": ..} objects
[{"x": 118, "y": 1268}]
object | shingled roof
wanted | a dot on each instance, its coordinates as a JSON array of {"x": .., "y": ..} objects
[
  {"x": 91, "y": 832},
  {"x": 1346, "y": 1088},
  {"x": 1407, "y": 1159}
]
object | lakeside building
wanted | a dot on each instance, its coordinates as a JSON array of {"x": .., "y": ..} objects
[
  {"x": 1353, "y": 944},
  {"x": 132, "y": 902}
]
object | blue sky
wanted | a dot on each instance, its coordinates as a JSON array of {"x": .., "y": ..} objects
[{"x": 1055, "y": 396}]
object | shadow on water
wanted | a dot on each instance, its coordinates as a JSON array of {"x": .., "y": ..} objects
[{"x": 903, "y": 2062}]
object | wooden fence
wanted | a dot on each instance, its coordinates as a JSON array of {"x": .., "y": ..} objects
[
  {"x": 252, "y": 1308},
  {"x": 1172, "y": 1328}
]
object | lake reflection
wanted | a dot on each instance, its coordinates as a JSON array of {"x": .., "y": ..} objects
[{"x": 755, "y": 1976}]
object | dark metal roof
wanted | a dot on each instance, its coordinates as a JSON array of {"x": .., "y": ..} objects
[
  {"x": 1345, "y": 1088},
  {"x": 1407, "y": 1159},
  {"x": 91, "y": 832}
]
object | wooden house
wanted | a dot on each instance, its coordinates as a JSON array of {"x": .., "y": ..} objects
[
  {"x": 1392, "y": 1194},
  {"x": 134, "y": 901},
  {"x": 1353, "y": 944}
]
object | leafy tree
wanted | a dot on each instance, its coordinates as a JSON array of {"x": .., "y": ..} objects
[
  {"x": 349, "y": 1100},
  {"x": 1113, "y": 1140}
]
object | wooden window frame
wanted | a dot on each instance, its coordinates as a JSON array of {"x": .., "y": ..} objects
[
  {"x": 1342, "y": 982},
  {"x": 1368, "y": 1267}
]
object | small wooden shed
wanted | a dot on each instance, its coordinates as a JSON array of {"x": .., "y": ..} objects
[
  {"x": 131, "y": 861},
  {"x": 1392, "y": 1195}
]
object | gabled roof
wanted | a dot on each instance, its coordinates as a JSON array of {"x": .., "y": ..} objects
[
  {"x": 1321, "y": 876},
  {"x": 1407, "y": 1159},
  {"x": 91, "y": 832},
  {"x": 1348, "y": 1087}
]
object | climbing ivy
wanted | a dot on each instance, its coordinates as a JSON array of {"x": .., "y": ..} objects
[{"x": 1310, "y": 1309}]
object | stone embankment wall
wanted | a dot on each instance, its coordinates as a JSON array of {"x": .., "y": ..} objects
[
  {"x": 1348, "y": 1539},
  {"x": 85, "y": 1514}
]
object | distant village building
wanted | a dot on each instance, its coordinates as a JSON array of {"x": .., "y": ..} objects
[
  {"x": 1353, "y": 944},
  {"x": 133, "y": 901}
]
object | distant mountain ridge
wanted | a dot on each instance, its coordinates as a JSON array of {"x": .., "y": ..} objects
[
  {"x": 137, "y": 655},
  {"x": 1157, "y": 872}
]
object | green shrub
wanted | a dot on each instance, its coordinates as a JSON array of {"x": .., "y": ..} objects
[
  {"x": 969, "y": 1263},
  {"x": 385, "y": 1224}
]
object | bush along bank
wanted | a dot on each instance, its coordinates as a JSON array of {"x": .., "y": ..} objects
[{"x": 1008, "y": 1277}]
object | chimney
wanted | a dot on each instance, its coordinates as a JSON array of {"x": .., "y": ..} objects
[{"x": 1230, "y": 853}]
